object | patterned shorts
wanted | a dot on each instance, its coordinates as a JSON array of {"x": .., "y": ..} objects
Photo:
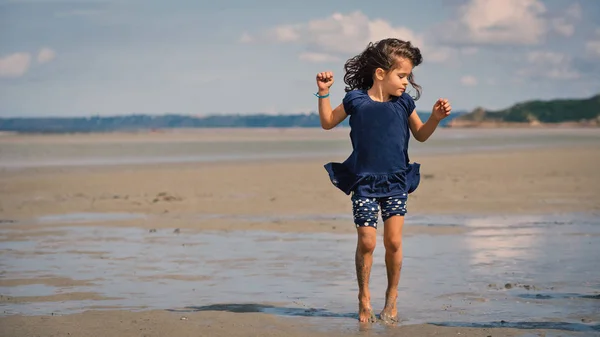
[{"x": 366, "y": 209}]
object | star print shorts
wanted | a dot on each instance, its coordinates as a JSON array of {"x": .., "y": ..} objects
[{"x": 366, "y": 209}]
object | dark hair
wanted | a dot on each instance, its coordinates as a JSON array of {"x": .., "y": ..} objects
[{"x": 382, "y": 54}]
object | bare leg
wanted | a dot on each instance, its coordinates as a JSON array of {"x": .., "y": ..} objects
[
  {"x": 367, "y": 238},
  {"x": 392, "y": 240}
]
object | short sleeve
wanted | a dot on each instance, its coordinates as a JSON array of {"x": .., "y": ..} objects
[
  {"x": 408, "y": 103},
  {"x": 351, "y": 100}
]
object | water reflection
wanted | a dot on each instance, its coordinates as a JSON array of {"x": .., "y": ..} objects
[{"x": 494, "y": 271}]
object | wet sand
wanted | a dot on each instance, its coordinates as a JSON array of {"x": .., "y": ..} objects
[
  {"x": 119, "y": 227},
  {"x": 209, "y": 323},
  {"x": 520, "y": 181}
]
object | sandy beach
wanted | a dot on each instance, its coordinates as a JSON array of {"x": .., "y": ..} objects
[{"x": 278, "y": 201}]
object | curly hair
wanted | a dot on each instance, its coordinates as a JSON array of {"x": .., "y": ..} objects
[{"x": 382, "y": 54}]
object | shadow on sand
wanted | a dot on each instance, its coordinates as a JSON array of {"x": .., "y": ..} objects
[
  {"x": 268, "y": 309},
  {"x": 323, "y": 313}
]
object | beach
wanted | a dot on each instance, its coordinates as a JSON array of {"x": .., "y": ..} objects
[{"x": 241, "y": 233}]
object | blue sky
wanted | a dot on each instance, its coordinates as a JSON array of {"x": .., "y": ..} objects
[{"x": 104, "y": 57}]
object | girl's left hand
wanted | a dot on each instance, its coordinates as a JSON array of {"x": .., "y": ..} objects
[{"x": 441, "y": 109}]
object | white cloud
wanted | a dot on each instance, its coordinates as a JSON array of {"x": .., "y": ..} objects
[
  {"x": 346, "y": 34},
  {"x": 592, "y": 48},
  {"x": 246, "y": 38},
  {"x": 509, "y": 22},
  {"x": 15, "y": 65},
  {"x": 468, "y": 80},
  {"x": 562, "y": 27},
  {"x": 286, "y": 34},
  {"x": 545, "y": 57},
  {"x": 381, "y": 29},
  {"x": 549, "y": 65},
  {"x": 341, "y": 33},
  {"x": 46, "y": 55},
  {"x": 565, "y": 25},
  {"x": 469, "y": 50},
  {"x": 574, "y": 11},
  {"x": 317, "y": 57}
]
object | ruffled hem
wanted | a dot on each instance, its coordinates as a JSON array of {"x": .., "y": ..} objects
[{"x": 375, "y": 185}]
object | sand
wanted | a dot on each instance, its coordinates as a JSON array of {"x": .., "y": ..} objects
[
  {"x": 524, "y": 181},
  {"x": 276, "y": 195},
  {"x": 217, "y": 324}
]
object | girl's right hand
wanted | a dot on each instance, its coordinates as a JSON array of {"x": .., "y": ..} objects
[{"x": 324, "y": 81}]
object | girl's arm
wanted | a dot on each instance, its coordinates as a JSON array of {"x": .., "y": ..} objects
[
  {"x": 329, "y": 118},
  {"x": 422, "y": 132}
]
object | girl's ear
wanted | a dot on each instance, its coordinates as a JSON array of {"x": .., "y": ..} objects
[{"x": 380, "y": 74}]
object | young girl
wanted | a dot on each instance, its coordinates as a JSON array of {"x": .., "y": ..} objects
[{"x": 378, "y": 173}]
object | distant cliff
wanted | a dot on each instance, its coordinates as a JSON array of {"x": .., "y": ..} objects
[
  {"x": 567, "y": 111},
  {"x": 150, "y": 122}
]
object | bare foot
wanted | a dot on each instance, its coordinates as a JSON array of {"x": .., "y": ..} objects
[
  {"x": 389, "y": 314},
  {"x": 365, "y": 312}
]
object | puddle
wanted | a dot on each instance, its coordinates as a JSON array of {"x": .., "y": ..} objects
[
  {"x": 456, "y": 280},
  {"x": 414, "y": 220},
  {"x": 558, "y": 296},
  {"x": 26, "y": 290}
]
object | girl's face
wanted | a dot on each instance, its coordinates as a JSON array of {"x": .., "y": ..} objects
[{"x": 395, "y": 81}]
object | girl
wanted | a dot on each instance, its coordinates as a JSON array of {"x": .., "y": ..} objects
[{"x": 378, "y": 173}]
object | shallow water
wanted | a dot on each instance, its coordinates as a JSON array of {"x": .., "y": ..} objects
[
  {"x": 18, "y": 155},
  {"x": 529, "y": 271}
]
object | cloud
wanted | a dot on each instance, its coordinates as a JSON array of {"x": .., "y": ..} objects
[
  {"x": 286, "y": 34},
  {"x": 574, "y": 11},
  {"x": 318, "y": 57},
  {"x": 592, "y": 48},
  {"x": 469, "y": 51},
  {"x": 562, "y": 27},
  {"x": 15, "y": 65},
  {"x": 246, "y": 38},
  {"x": 496, "y": 22},
  {"x": 46, "y": 55},
  {"x": 506, "y": 23},
  {"x": 549, "y": 65},
  {"x": 468, "y": 80},
  {"x": 588, "y": 67},
  {"x": 565, "y": 25},
  {"x": 342, "y": 35}
]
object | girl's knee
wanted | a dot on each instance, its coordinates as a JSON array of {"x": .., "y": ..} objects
[
  {"x": 393, "y": 244},
  {"x": 367, "y": 242}
]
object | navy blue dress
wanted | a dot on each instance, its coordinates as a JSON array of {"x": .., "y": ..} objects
[{"x": 379, "y": 164}]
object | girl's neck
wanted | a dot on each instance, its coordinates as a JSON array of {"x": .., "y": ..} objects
[{"x": 377, "y": 94}]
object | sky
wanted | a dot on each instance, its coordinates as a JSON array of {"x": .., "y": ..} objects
[{"x": 197, "y": 57}]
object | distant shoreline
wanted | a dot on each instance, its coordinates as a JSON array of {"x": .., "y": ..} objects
[
  {"x": 462, "y": 124},
  {"x": 451, "y": 125},
  {"x": 301, "y": 132}
]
